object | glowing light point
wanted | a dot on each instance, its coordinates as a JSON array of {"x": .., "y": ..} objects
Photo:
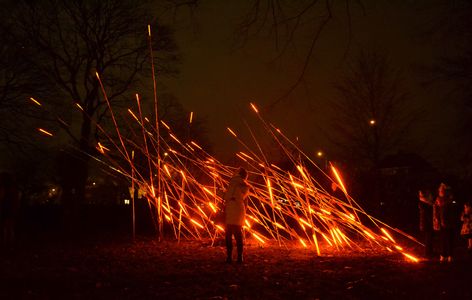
[
  {"x": 231, "y": 131},
  {"x": 254, "y": 108},
  {"x": 79, "y": 106},
  {"x": 303, "y": 243},
  {"x": 338, "y": 178},
  {"x": 35, "y": 101},
  {"x": 257, "y": 237},
  {"x": 197, "y": 223},
  {"x": 45, "y": 132},
  {"x": 411, "y": 257}
]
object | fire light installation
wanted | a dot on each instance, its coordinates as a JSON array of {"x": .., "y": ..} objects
[{"x": 183, "y": 185}]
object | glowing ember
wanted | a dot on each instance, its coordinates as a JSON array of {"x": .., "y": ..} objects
[
  {"x": 257, "y": 237},
  {"x": 411, "y": 257},
  {"x": 45, "y": 132},
  {"x": 254, "y": 108},
  {"x": 231, "y": 131},
  {"x": 35, "y": 101},
  {"x": 338, "y": 178}
]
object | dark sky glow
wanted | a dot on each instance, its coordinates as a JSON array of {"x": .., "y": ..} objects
[{"x": 218, "y": 82}]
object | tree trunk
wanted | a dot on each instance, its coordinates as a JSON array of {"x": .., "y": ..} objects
[{"x": 74, "y": 170}]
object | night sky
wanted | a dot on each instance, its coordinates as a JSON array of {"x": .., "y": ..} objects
[
  {"x": 218, "y": 77},
  {"x": 218, "y": 80}
]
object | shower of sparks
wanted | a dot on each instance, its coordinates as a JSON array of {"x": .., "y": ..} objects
[
  {"x": 282, "y": 206},
  {"x": 184, "y": 185}
]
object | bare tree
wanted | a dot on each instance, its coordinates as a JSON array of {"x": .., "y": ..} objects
[
  {"x": 454, "y": 38},
  {"x": 68, "y": 41},
  {"x": 451, "y": 72},
  {"x": 373, "y": 115},
  {"x": 16, "y": 85},
  {"x": 284, "y": 19}
]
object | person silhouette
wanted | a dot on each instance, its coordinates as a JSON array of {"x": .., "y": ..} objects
[{"x": 235, "y": 199}]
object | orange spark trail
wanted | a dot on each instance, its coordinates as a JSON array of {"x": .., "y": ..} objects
[
  {"x": 45, "y": 132},
  {"x": 231, "y": 131},
  {"x": 338, "y": 178},
  {"x": 254, "y": 107},
  {"x": 35, "y": 101},
  {"x": 184, "y": 187}
]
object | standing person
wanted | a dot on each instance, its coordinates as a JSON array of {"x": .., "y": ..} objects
[
  {"x": 425, "y": 206},
  {"x": 235, "y": 210},
  {"x": 466, "y": 230},
  {"x": 444, "y": 221}
]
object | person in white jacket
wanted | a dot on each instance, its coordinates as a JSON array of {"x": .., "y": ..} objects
[{"x": 235, "y": 213}]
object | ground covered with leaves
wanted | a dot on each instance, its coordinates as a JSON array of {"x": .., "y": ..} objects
[{"x": 148, "y": 269}]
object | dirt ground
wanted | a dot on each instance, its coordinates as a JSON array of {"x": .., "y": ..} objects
[{"x": 147, "y": 269}]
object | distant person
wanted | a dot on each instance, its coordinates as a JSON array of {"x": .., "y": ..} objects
[
  {"x": 425, "y": 206},
  {"x": 444, "y": 221},
  {"x": 466, "y": 230},
  {"x": 9, "y": 207},
  {"x": 235, "y": 210}
]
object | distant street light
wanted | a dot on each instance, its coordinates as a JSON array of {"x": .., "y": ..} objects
[{"x": 323, "y": 160}]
